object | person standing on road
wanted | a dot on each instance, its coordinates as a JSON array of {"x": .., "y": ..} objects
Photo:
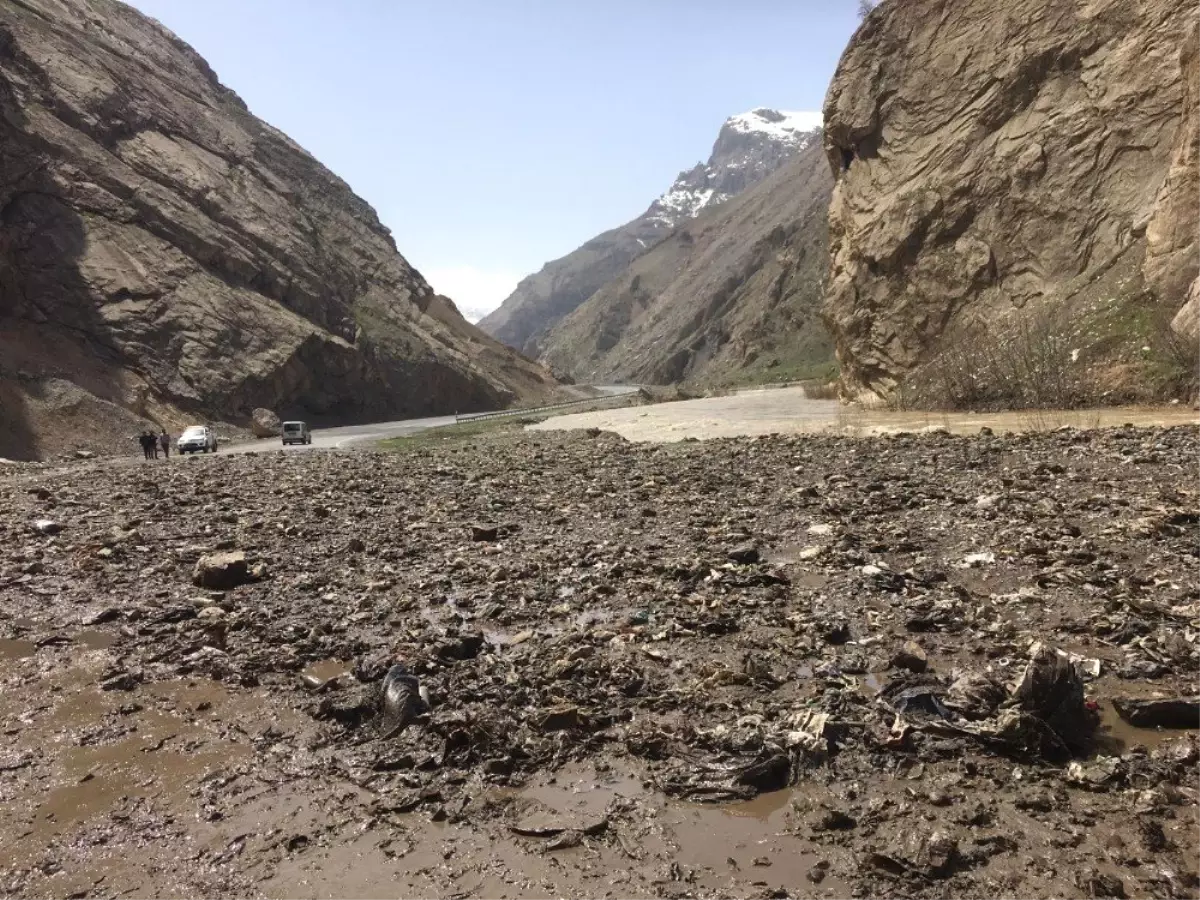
[
  {"x": 146, "y": 439},
  {"x": 164, "y": 441}
]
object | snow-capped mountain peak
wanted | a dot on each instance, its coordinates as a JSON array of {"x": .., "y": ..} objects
[
  {"x": 749, "y": 147},
  {"x": 776, "y": 124}
]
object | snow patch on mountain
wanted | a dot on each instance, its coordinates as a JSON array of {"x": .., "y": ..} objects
[
  {"x": 776, "y": 124},
  {"x": 749, "y": 147}
]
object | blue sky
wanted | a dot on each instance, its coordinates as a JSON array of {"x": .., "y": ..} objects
[{"x": 494, "y": 135}]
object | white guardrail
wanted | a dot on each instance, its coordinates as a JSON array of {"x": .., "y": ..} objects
[{"x": 534, "y": 410}]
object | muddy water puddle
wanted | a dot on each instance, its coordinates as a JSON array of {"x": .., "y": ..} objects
[
  {"x": 14, "y": 648},
  {"x": 788, "y": 411},
  {"x": 325, "y": 670},
  {"x": 100, "y": 757},
  {"x": 713, "y": 843},
  {"x": 96, "y": 640},
  {"x": 1116, "y": 736},
  {"x": 650, "y": 845}
]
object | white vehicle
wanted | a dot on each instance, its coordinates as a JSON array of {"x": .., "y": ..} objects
[
  {"x": 197, "y": 439},
  {"x": 296, "y": 433}
]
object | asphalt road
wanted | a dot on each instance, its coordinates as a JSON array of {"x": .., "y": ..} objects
[{"x": 347, "y": 436}]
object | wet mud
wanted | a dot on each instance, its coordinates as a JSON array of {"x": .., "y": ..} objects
[{"x": 806, "y": 666}]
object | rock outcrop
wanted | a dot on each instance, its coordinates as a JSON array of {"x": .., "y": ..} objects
[
  {"x": 733, "y": 294},
  {"x": 749, "y": 147},
  {"x": 174, "y": 257},
  {"x": 995, "y": 158},
  {"x": 1172, "y": 265}
]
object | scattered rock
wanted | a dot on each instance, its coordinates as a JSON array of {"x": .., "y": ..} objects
[
  {"x": 564, "y": 718},
  {"x": 772, "y": 774},
  {"x": 1174, "y": 712},
  {"x": 484, "y": 532},
  {"x": 222, "y": 571},
  {"x": 910, "y": 657},
  {"x": 350, "y": 706},
  {"x": 745, "y": 554},
  {"x": 400, "y": 702},
  {"x": 122, "y": 681}
]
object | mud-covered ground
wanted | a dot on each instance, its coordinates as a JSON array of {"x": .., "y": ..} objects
[{"x": 804, "y": 666}]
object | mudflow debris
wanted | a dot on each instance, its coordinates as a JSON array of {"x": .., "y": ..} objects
[{"x": 801, "y": 666}]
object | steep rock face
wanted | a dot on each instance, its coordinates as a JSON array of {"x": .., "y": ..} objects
[
  {"x": 992, "y": 157},
  {"x": 174, "y": 257},
  {"x": 749, "y": 147},
  {"x": 1172, "y": 264},
  {"x": 734, "y": 291}
]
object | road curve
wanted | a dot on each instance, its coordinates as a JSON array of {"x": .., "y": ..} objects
[{"x": 347, "y": 436}]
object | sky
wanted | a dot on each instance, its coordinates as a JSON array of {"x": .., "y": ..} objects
[{"x": 495, "y": 135}]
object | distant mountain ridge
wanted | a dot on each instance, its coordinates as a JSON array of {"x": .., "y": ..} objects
[
  {"x": 733, "y": 295},
  {"x": 749, "y": 147}
]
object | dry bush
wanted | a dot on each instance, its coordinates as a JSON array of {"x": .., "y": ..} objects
[
  {"x": 1176, "y": 370},
  {"x": 820, "y": 390},
  {"x": 1032, "y": 363}
]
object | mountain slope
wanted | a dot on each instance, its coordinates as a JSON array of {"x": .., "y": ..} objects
[
  {"x": 164, "y": 254},
  {"x": 735, "y": 291},
  {"x": 748, "y": 148},
  {"x": 998, "y": 161}
]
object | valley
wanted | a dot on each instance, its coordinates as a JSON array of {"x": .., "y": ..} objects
[
  {"x": 830, "y": 528},
  {"x": 785, "y": 665}
]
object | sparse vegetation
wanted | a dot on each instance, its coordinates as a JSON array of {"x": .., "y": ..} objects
[
  {"x": 460, "y": 434},
  {"x": 821, "y": 390},
  {"x": 1119, "y": 352}
]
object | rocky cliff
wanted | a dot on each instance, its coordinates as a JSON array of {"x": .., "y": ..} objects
[
  {"x": 733, "y": 294},
  {"x": 749, "y": 147},
  {"x": 164, "y": 254},
  {"x": 997, "y": 158}
]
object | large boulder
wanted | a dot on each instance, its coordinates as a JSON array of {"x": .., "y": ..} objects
[{"x": 265, "y": 423}]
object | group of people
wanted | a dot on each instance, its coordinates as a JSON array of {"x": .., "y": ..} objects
[{"x": 151, "y": 442}]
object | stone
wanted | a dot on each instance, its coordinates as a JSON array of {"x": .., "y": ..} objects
[
  {"x": 834, "y": 820},
  {"x": 563, "y": 718},
  {"x": 122, "y": 681},
  {"x": 484, "y": 532},
  {"x": 772, "y": 774},
  {"x": 221, "y": 571},
  {"x": 351, "y": 706},
  {"x": 264, "y": 423},
  {"x": 744, "y": 553},
  {"x": 912, "y": 657},
  {"x": 47, "y": 527},
  {"x": 1171, "y": 712},
  {"x": 463, "y": 646},
  {"x": 400, "y": 701}
]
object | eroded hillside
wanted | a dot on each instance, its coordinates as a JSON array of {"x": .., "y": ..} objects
[
  {"x": 736, "y": 293},
  {"x": 165, "y": 255}
]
